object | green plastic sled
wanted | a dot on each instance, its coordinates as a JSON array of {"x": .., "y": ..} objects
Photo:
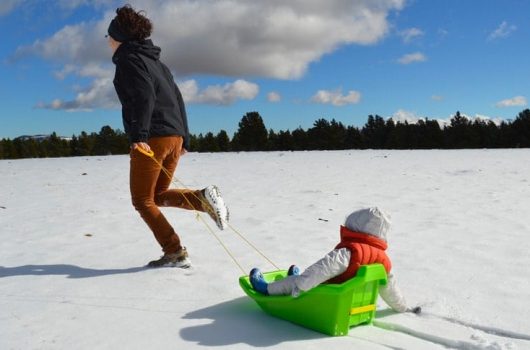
[{"x": 328, "y": 308}]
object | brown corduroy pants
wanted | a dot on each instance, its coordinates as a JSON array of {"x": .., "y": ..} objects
[{"x": 150, "y": 189}]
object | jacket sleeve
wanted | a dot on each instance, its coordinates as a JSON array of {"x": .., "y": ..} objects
[
  {"x": 182, "y": 108},
  {"x": 391, "y": 294},
  {"x": 138, "y": 97}
]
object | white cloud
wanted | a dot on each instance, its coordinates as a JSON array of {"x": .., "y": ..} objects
[
  {"x": 479, "y": 117},
  {"x": 100, "y": 93},
  {"x": 412, "y": 58},
  {"x": 402, "y": 116},
  {"x": 512, "y": 102},
  {"x": 412, "y": 118},
  {"x": 336, "y": 97},
  {"x": 273, "y": 96},
  {"x": 437, "y": 98},
  {"x": 219, "y": 95},
  {"x": 502, "y": 31},
  {"x": 410, "y": 34},
  {"x": 7, "y": 6},
  {"x": 79, "y": 44},
  {"x": 65, "y": 71},
  {"x": 273, "y": 38}
]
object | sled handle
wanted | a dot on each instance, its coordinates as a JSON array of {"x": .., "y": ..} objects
[
  {"x": 149, "y": 154},
  {"x": 361, "y": 309}
]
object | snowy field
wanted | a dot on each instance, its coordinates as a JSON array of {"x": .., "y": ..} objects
[{"x": 72, "y": 250}]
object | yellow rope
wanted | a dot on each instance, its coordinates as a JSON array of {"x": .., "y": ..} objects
[
  {"x": 252, "y": 245},
  {"x": 151, "y": 155}
]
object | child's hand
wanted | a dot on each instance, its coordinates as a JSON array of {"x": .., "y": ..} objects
[{"x": 416, "y": 310}]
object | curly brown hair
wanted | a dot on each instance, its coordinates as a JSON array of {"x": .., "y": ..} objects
[{"x": 134, "y": 23}]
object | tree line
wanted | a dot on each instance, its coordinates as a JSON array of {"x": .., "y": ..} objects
[{"x": 252, "y": 135}]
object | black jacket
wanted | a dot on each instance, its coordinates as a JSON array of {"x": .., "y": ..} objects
[{"x": 151, "y": 102}]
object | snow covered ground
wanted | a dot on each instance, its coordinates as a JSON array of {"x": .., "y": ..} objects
[{"x": 72, "y": 250}]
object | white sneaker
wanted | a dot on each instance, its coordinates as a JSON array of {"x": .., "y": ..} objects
[{"x": 215, "y": 206}]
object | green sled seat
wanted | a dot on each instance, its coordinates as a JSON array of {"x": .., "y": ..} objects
[{"x": 328, "y": 308}]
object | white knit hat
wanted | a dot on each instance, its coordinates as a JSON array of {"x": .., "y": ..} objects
[{"x": 372, "y": 221}]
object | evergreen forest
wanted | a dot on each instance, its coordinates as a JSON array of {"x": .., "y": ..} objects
[{"x": 253, "y": 135}]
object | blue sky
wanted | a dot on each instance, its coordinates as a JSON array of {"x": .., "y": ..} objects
[{"x": 292, "y": 61}]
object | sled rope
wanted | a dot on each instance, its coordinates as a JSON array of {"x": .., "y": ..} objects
[{"x": 199, "y": 217}]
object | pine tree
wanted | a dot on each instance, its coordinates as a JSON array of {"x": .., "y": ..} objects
[
  {"x": 194, "y": 143},
  {"x": 521, "y": 129},
  {"x": 272, "y": 141},
  {"x": 10, "y": 151},
  {"x": 300, "y": 139},
  {"x": 86, "y": 144},
  {"x": 353, "y": 138},
  {"x": 104, "y": 141},
  {"x": 223, "y": 141},
  {"x": 285, "y": 141},
  {"x": 375, "y": 132},
  {"x": 461, "y": 133},
  {"x": 208, "y": 143},
  {"x": 54, "y": 146},
  {"x": 251, "y": 135}
]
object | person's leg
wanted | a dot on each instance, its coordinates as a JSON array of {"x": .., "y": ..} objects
[
  {"x": 144, "y": 176},
  {"x": 179, "y": 198},
  {"x": 207, "y": 200}
]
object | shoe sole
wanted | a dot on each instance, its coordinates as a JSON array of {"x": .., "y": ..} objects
[
  {"x": 215, "y": 200},
  {"x": 183, "y": 264}
]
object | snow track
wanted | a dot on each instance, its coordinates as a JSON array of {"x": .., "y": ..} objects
[{"x": 437, "y": 330}]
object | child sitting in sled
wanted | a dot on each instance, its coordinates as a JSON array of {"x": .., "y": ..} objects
[{"x": 363, "y": 242}]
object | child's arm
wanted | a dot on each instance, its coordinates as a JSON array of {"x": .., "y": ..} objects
[{"x": 391, "y": 294}]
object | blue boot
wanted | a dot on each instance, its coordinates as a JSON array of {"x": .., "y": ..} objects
[
  {"x": 258, "y": 281},
  {"x": 293, "y": 271}
]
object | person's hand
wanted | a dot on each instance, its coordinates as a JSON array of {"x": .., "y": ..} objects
[
  {"x": 141, "y": 145},
  {"x": 416, "y": 310}
]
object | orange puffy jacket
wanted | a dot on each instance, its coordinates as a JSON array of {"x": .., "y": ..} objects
[{"x": 365, "y": 249}]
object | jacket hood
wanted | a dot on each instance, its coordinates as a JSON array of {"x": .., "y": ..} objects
[
  {"x": 372, "y": 221},
  {"x": 143, "y": 47}
]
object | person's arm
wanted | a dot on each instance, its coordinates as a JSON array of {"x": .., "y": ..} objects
[
  {"x": 138, "y": 98},
  {"x": 392, "y": 295},
  {"x": 182, "y": 108}
]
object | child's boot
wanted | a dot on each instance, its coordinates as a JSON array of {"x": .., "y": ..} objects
[
  {"x": 293, "y": 271},
  {"x": 258, "y": 281}
]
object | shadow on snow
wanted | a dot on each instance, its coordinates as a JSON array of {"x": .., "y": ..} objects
[
  {"x": 242, "y": 321},
  {"x": 70, "y": 271}
]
